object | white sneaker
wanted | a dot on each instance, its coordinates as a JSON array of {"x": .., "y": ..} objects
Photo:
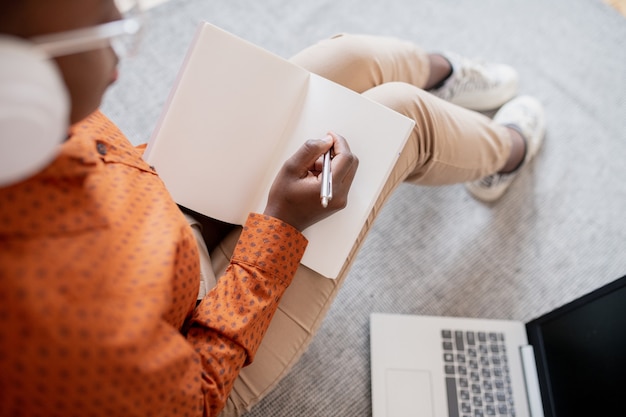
[
  {"x": 524, "y": 114},
  {"x": 478, "y": 85}
]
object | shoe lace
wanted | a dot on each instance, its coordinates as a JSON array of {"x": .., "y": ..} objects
[
  {"x": 470, "y": 76},
  {"x": 491, "y": 180}
]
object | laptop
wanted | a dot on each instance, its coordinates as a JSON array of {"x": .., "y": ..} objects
[{"x": 568, "y": 362}]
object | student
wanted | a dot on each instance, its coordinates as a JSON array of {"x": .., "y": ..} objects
[{"x": 100, "y": 270}]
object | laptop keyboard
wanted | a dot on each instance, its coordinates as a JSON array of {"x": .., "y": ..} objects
[{"x": 477, "y": 374}]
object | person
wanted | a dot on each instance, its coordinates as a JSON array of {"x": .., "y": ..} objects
[{"x": 100, "y": 270}]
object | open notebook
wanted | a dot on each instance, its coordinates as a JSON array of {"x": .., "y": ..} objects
[{"x": 237, "y": 112}]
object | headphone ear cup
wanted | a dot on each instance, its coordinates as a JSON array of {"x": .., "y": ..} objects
[{"x": 34, "y": 110}]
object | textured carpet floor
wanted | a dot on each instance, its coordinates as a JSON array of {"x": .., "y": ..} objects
[{"x": 559, "y": 231}]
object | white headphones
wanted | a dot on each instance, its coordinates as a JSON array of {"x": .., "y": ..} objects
[{"x": 34, "y": 110}]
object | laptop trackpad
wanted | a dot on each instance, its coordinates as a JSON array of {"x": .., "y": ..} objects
[{"x": 408, "y": 393}]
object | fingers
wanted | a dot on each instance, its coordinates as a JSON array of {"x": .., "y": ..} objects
[
  {"x": 295, "y": 194},
  {"x": 306, "y": 156},
  {"x": 345, "y": 163}
]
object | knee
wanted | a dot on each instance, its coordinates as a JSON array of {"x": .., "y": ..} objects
[
  {"x": 346, "y": 59},
  {"x": 344, "y": 47},
  {"x": 404, "y": 98}
]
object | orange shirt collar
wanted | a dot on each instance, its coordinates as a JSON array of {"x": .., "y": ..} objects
[{"x": 66, "y": 181}]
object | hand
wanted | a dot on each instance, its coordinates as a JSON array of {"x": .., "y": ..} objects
[{"x": 295, "y": 194}]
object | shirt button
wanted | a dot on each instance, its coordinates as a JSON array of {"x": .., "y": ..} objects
[{"x": 102, "y": 148}]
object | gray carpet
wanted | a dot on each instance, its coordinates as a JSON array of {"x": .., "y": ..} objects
[{"x": 559, "y": 231}]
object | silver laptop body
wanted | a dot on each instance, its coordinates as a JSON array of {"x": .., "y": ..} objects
[{"x": 568, "y": 362}]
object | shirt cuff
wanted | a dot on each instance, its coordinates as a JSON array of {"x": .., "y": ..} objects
[{"x": 271, "y": 245}]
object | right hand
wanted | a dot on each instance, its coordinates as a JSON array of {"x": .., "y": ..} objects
[{"x": 295, "y": 194}]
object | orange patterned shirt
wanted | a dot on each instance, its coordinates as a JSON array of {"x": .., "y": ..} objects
[{"x": 99, "y": 275}]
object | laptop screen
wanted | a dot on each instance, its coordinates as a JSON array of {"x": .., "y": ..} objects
[{"x": 580, "y": 350}]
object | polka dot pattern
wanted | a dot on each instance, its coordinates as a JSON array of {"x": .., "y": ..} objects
[{"x": 99, "y": 273}]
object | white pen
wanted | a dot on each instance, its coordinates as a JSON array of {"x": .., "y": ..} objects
[{"x": 326, "y": 192}]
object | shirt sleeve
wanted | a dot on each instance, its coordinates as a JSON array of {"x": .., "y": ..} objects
[
  {"x": 78, "y": 343},
  {"x": 229, "y": 324}
]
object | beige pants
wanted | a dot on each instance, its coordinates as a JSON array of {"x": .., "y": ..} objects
[{"x": 448, "y": 145}]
